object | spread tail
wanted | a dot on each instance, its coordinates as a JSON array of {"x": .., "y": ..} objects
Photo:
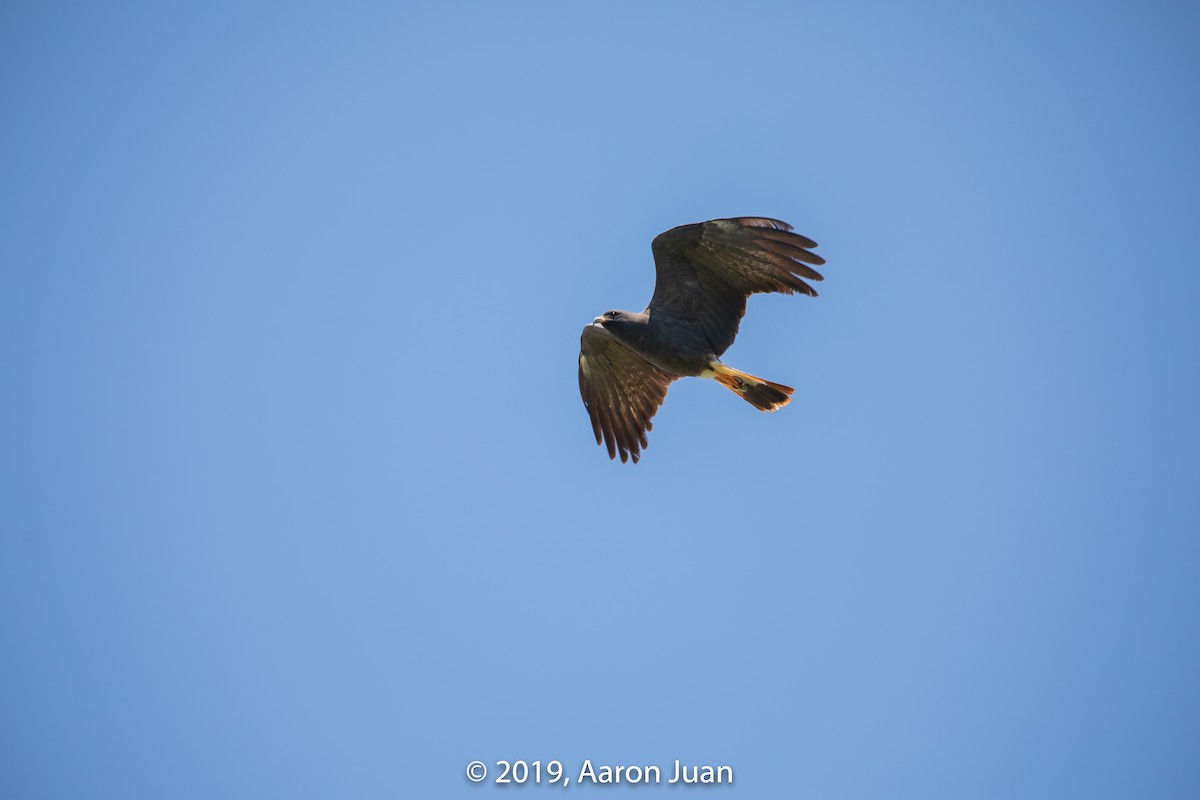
[{"x": 763, "y": 395}]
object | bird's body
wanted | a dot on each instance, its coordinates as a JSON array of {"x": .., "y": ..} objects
[
  {"x": 676, "y": 347},
  {"x": 705, "y": 273}
]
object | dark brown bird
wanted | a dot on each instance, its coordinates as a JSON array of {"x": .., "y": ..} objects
[{"x": 705, "y": 272}]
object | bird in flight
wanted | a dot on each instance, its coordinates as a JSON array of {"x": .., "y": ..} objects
[{"x": 705, "y": 273}]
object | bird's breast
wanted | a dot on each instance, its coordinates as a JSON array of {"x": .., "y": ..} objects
[{"x": 676, "y": 346}]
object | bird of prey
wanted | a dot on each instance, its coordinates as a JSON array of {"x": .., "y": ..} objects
[{"x": 705, "y": 272}]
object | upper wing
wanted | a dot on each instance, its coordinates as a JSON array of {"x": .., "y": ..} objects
[
  {"x": 621, "y": 390},
  {"x": 707, "y": 270}
]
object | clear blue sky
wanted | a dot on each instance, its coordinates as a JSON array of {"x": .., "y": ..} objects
[{"x": 298, "y": 497}]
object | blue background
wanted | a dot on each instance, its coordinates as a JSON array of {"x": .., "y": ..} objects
[{"x": 298, "y": 497}]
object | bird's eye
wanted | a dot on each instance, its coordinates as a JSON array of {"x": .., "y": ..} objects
[{"x": 614, "y": 314}]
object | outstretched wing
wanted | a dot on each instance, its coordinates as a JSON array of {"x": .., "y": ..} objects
[
  {"x": 621, "y": 391},
  {"x": 707, "y": 270}
]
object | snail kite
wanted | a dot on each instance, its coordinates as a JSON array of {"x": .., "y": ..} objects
[{"x": 705, "y": 272}]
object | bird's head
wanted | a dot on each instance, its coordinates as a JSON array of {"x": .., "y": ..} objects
[
  {"x": 610, "y": 316},
  {"x": 626, "y": 326}
]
